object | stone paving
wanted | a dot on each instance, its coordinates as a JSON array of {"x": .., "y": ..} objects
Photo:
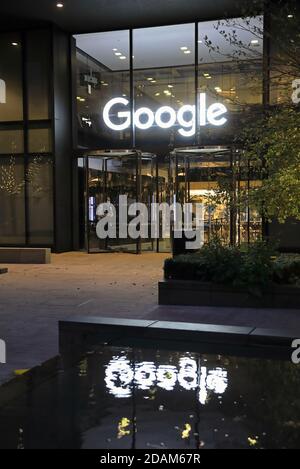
[{"x": 33, "y": 298}]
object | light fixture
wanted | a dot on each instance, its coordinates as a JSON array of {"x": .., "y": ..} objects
[
  {"x": 14, "y": 44},
  {"x": 183, "y": 48},
  {"x": 170, "y": 86},
  {"x": 254, "y": 41},
  {"x": 149, "y": 78},
  {"x": 200, "y": 42},
  {"x": 186, "y": 51},
  {"x": 118, "y": 53},
  {"x": 290, "y": 16},
  {"x": 153, "y": 81},
  {"x": 59, "y": 5},
  {"x": 157, "y": 94},
  {"x": 206, "y": 74},
  {"x": 114, "y": 49},
  {"x": 123, "y": 57}
]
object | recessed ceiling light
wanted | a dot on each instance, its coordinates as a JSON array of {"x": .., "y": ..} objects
[
  {"x": 200, "y": 42},
  {"x": 157, "y": 94},
  {"x": 59, "y": 5},
  {"x": 149, "y": 78},
  {"x": 123, "y": 57},
  {"x": 114, "y": 49},
  {"x": 290, "y": 16},
  {"x": 254, "y": 41},
  {"x": 183, "y": 48},
  {"x": 14, "y": 44},
  {"x": 206, "y": 74},
  {"x": 170, "y": 86},
  {"x": 186, "y": 51},
  {"x": 105, "y": 84},
  {"x": 118, "y": 53},
  {"x": 153, "y": 81}
]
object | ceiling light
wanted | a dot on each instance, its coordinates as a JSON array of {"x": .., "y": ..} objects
[
  {"x": 290, "y": 16},
  {"x": 105, "y": 84},
  {"x": 14, "y": 44},
  {"x": 206, "y": 74},
  {"x": 200, "y": 42},
  {"x": 170, "y": 86},
  {"x": 153, "y": 81},
  {"x": 123, "y": 57},
  {"x": 59, "y": 5},
  {"x": 186, "y": 51},
  {"x": 150, "y": 79},
  {"x": 254, "y": 41},
  {"x": 183, "y": 48},
  {"x": 118, "y": 53},
  {"x": 157, "y": 94},
  {"x": 115, "y": 50}
]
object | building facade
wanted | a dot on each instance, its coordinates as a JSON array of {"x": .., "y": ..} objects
[{"x": 87, "y": 117}]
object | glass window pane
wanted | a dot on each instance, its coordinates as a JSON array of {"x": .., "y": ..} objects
[
  {"x": 40, "y": 200},
  {"x": 39, "y": 141},
  {"x": 12, "y": 196},
  {"x": 164, "y": 76},
  {"x": 102, "y": 74},
  {"x": 230, "y": 71},
  {"x": 11, "y": 94},
  {"x": 38, "y": 74},
  {"x": 11, "y": 141}
]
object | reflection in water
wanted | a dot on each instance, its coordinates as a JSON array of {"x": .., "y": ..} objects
[
  {"x": 116, "y": 398},
  {"x": 121, "y": 374}
]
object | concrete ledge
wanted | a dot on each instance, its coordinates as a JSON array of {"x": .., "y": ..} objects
[
  {"x": 78, "y": 335},
  {"x": 25, "y": 255},
  {"x": 191, "y": 293}
]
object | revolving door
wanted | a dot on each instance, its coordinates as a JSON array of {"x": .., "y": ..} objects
[
  {"x": 215, "y": 177},
  {"x": 108, "y": 175}
]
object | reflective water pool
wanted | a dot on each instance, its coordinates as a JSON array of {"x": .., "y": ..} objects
[{"x": 133, "y": 398}]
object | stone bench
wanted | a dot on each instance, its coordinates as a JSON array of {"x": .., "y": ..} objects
[{"x": 25, "y": 255}]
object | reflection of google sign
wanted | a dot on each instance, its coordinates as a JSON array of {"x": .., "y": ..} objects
[{"x": 165, "y": 117}]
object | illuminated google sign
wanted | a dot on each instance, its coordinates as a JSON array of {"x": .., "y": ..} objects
[{"x": 165, "y": 117}]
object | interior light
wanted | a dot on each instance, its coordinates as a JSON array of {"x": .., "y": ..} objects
[
  {"x": 118, "y": 53},
  {"x": 157, "y": 94},
  {"x": 115, "y": 50},
  {"x": 200, "y": 42},
  {"x": 186, "y": 51},
  {"x": 14, "y": 44},
  {"x": 153, "y": 81},
  {"x": 170, "y": 86},
  {"x": 254, "y": 41},
  {"x": 206, "y": 74},
  {"x": 59, "y": 5},
  {"x": 123, "y": 57},
  {"x": 149, "y": 78},
  {"x": 290, "y": 16},
  {"x": 183, "y": 48}
]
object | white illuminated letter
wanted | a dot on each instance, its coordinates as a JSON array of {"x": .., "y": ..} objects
[
  {"x": 202, "y": 109},
  {"x": 126, "y": 114},
  {"x": 187, "y": 124},
  {"x": 172, "y": 117},
  {"x": 148, "y": 113},
  {"x": 214, "y": 111},
  {"x": 2, "y": 92}
]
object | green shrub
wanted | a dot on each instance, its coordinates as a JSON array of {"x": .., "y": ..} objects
[
  {"x": 287, "y": 269},
  {"x": 253, "y": 268}
]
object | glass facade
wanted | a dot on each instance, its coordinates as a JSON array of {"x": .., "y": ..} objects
[
  {"x": 146, "y": 89},
  {"x": 26, "y": 163},
  {"x": 150, "y": 90}
]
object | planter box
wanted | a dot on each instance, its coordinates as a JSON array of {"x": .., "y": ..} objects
[
  {"x": 25, "y": 255},
  {"x": 193, "y": 293}
]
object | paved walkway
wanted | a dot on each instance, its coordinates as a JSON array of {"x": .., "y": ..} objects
[{"x": 34, "y": 297}]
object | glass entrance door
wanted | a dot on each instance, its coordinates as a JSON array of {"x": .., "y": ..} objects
[{"x": 112, "y": 174}]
